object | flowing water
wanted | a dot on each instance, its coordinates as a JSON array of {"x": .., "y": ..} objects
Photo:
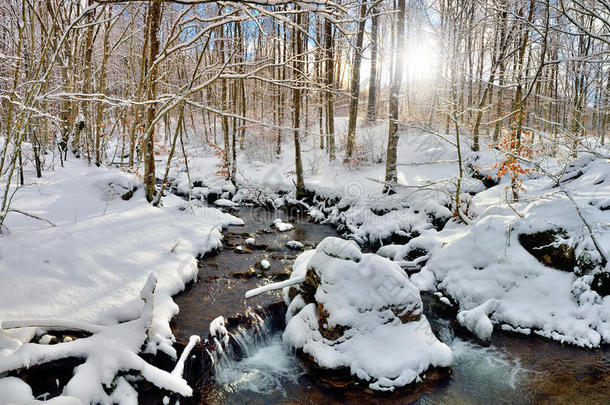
[{"x": 511, "y": 370}]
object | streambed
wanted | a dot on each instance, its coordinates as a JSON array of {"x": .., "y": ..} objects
[{"x": 512, "y": 369}]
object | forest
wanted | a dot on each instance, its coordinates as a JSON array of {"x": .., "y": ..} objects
[{"x": 319, "y": 201}]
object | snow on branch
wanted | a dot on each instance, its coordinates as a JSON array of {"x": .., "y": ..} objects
[{"x": 110, "y": 350}]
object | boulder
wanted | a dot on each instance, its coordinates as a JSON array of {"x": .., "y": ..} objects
[
  {"x": 550, "y": 248},
  {"x": 359, "y": 312}
]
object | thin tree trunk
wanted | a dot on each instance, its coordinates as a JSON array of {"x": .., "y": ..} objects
[
  {"x": 391, "y": 177},
  {"x": 371, "y": 114},
  {"x": 151, "y": 94},
  {"x": 355, "y": 85}
]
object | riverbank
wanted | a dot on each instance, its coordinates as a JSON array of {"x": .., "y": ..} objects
[
  {"x": 81, "y": 251},
  {"x": 537, "y": 265}
]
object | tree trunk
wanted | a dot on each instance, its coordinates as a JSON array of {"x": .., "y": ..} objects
[
  {"x": 355, "y": 85},
  {"x": 330, "y": 74},
  {"x": 371, "y": 114},
  {"x": 151, "y": 94},
  {"x": 390, "y": 168},
  {"x": 297, "y": 41}
]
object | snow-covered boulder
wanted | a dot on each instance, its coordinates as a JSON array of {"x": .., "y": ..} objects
[
  {"x": 281, "y": 225},
  {"x": 360, "y": 312},
  {"x": 294, "y": 244}
]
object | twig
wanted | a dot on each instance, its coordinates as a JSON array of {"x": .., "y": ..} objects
[{"x": 27, "y": 214}]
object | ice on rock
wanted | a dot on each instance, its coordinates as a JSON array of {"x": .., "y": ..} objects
[{"x": 360, "y": 311}]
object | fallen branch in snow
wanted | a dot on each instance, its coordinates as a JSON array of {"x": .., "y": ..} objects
[
  {"x": 275, "y": 286},
  {"x": 109, "y": 351},
  {"x": 27, "y": 214},
  {"x": 412, "y": 264},
  {"x": 179, "y": 369},
  {"x": 463, "y": 217}
]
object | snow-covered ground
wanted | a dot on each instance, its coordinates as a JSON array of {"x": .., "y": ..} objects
[
  {"x": 487, "y": 271},
  {"x": 86, "y": 269}
]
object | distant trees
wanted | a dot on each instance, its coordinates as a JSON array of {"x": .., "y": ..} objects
[{"x": 96, "y": 78}]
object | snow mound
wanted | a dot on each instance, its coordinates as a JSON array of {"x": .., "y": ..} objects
[
  {"x": 360, "y": 311},
  {"x": 477, "y": 321},
  {"x": 294, "y": 244},
  {"x": 222, "y": 202},
  {"x": 538, "y": 272},
  {"x": 282, "y": 226}
]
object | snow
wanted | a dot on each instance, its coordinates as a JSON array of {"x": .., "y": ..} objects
[
  {"x": 468, "y": 264},
  {"x": 221, "y": 202},
  {"x": 14, "y": 391},
  {"x": 364, "y": 295},
  {"x": 495, "y": 281},
  {"x": 179, "y": 368},
  {"x": 90, "y": 267},
  {"x": 282, "y": 226},
  {"x": 293, "y": 244},
  {"x": 219, "y": 330},
  {"x": 45, "y": 339},
  {"x": 477, "y": 320}
]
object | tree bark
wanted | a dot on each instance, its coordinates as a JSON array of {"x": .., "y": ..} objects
[
  {"x": 371, "y": 114},
  {"x": 355, "y": 85},
  {"x": 391, "y": 177},
  {"x": 151, "y": 94}
]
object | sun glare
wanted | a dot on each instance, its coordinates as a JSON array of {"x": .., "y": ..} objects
[{"x": 421, "y": 62}]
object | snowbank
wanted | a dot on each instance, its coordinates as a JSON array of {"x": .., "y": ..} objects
[
  {"x": 90, "y": 267},
  {"x": 487, "y": 261},
  {"x": 360, "y": 311}
]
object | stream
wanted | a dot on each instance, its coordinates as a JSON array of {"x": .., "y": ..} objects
[{"x": 513, "y": 369}]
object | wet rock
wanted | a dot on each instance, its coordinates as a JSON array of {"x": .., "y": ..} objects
[
  {"x": 601, "y": 283},
  {"x": 128, "y": 194},
  {"x": 280, "y": 276},
  {"x": 549, "y": 248},
  {"x": 242, "y": 250},
  {"x": 213, "y": 195},
  {"x": 402, "y": 237},
  {"x": 245, "y": 275}
]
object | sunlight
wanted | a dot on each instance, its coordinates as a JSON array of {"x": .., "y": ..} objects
[{"x": 422, "y": 61}]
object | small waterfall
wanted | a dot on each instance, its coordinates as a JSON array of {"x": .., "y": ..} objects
[{"x": 256, "y": 360}]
